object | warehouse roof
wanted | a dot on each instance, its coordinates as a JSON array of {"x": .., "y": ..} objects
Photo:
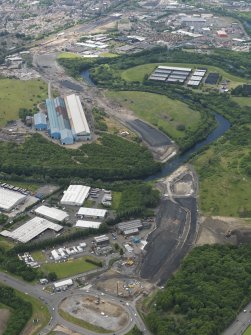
[
  {"x": 52, "y": 213},
  {"x": 101, "y": 238},
  {"x": 174, "y": 68},
  {"x": 76, "y": 115},
  {"x": 92, "y": 212},
  {"x": 31, "y": 229},
  {"x": 39, "y": 118},
  {"x": 9, "y": 199},
  {"x": 75, "y": 195},
  {"x": 52, "y": 115},
  {"x": 88, "y": 224},
  {"x": 66, "y": 282},
  {"x": 129, "y": 225}
]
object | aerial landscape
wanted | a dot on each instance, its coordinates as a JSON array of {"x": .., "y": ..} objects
[{"x": 125, "y": 167}]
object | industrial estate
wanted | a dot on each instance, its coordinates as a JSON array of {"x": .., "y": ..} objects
[{"x": 125, "y": 167}]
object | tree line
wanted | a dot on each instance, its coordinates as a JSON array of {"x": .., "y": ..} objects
[{"x": 22, "y": 311}]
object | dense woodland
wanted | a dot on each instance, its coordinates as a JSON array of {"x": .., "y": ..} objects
[
  {"x": 110, "y": 158},
  {"x": 206, "y": 294},
  {"x": 21, "y": 311}
]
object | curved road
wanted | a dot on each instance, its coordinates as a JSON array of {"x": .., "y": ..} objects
[{"x": 53, "y": 300}]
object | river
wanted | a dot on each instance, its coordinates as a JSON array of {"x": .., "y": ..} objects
[{"x": 222, "y": 126}]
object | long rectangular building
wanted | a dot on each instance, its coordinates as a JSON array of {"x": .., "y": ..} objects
[
  {"x": 75, "y": 195},
  {"x": 92, "y": 212},
  {"x": 31, "y": 229},
  {"x": 88, "y": 224},
  {"x": 79, "y": 124},
  {"x": 51, "y": 213}
]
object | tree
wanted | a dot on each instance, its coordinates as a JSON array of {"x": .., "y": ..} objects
[{"x": 52, "y": 276}]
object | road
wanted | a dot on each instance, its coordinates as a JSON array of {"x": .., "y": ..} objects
[
  {"x": 241, "y": 323},
  {"x": 53, "y": 300}
]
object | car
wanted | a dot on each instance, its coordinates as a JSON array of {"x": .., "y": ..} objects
[
  {"x": 53, "y": 308},
  {"x": 244, "y": 311}
]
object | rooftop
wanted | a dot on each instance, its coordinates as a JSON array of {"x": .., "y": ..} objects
[{"x": 53, "y": 213}]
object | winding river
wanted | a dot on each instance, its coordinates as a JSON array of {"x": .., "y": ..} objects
[{"x": 222, "y": 126}]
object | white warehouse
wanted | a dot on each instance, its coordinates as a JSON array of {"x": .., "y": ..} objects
[
  {"x": 31, "y": 229},
  {"x": 51, "y": 213},
  {"x": 92, "y": 212},
  {"x": 75, "y": 195},
  {"x": 9, "y": 199},
  {"x": 76, "y": 115}
]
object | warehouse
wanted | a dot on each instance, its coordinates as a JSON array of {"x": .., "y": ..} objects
[
  {"x": 194, "y": 83},
  {"x": 76, "y": 115},
  {"x": 88, "y": 224},
  {"x": 51, "y": 213},
  {"x": 126, "y": 227},
  {"x": 31, "y": 229},
  {"x": 59, "y": 125},
  {"x": 63, "y": 283},
  {"x": 101, "y": 240},
  {"x": 10, "y": 199},
  {"x": 92, "y": 212},
  {"x": 75, "y": 195},
  {"x": 40, "y": 121},
  {"x": 53, "y": 126}
]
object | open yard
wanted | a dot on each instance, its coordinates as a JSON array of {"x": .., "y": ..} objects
[
  {"x": 137, "y": 73},
  {"x": 69, "y": 268},
  {"x": 16, "y": 94},
  {"x": 5, "y": 244},
  {"x": 166, "y": 114}
]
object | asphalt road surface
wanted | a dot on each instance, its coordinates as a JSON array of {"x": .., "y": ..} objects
[
  {"x": 241, "y": 323},
  {"x": 53, "y": 300}
]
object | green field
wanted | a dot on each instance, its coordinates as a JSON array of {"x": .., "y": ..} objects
[
  {"x": 69, "y": 55},
  {"x": 225, "y": 186},
  {"x": 69, "y": 268},
  {"x": 116, "y": 197},
  {"x": 5, "y": 244},
  {"x": 159, "y": 110},
  {"x": 38, "y": 256},
  {"x": 16, "y": 94},
  {"x": 247, "y": 331},
  {"x": 243, "y": 101},
  {"x": 39, "y": 312},
  {"x": 83, "y": 323},
  {"x": 137, "y": 73}
]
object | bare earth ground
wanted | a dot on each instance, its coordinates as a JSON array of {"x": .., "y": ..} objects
[
  {"x": 61, "y": 330},
  {"x": 223, "y": 230},
  {"x": 105, "y": 314},
  {"x": 4, "y": 316}
]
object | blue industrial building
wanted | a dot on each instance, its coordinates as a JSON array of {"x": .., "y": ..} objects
[
  {"x": 59, "y": 125},
  {"x": 40, "y": 121}
]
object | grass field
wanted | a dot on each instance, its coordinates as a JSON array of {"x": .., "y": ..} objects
[
  {"x": 159, "y": 110},
  {"x": 38, "y": 256},
  {"x": 137, "y": 73},
  {"x": 16, "y": 94},
  {"x": 224, "y": 188},
  {"x": 5, "y": 243},
  {"x": 242, "y": 101},
  {"x": 69, "y": 268},
  {"x": 83, "y": 323},
  {"x": 247, "y": 331},
  {"x": 116, "y": 197},
  {"x": 70, "y": 55},
  {"x": 39, "y": 311}
]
